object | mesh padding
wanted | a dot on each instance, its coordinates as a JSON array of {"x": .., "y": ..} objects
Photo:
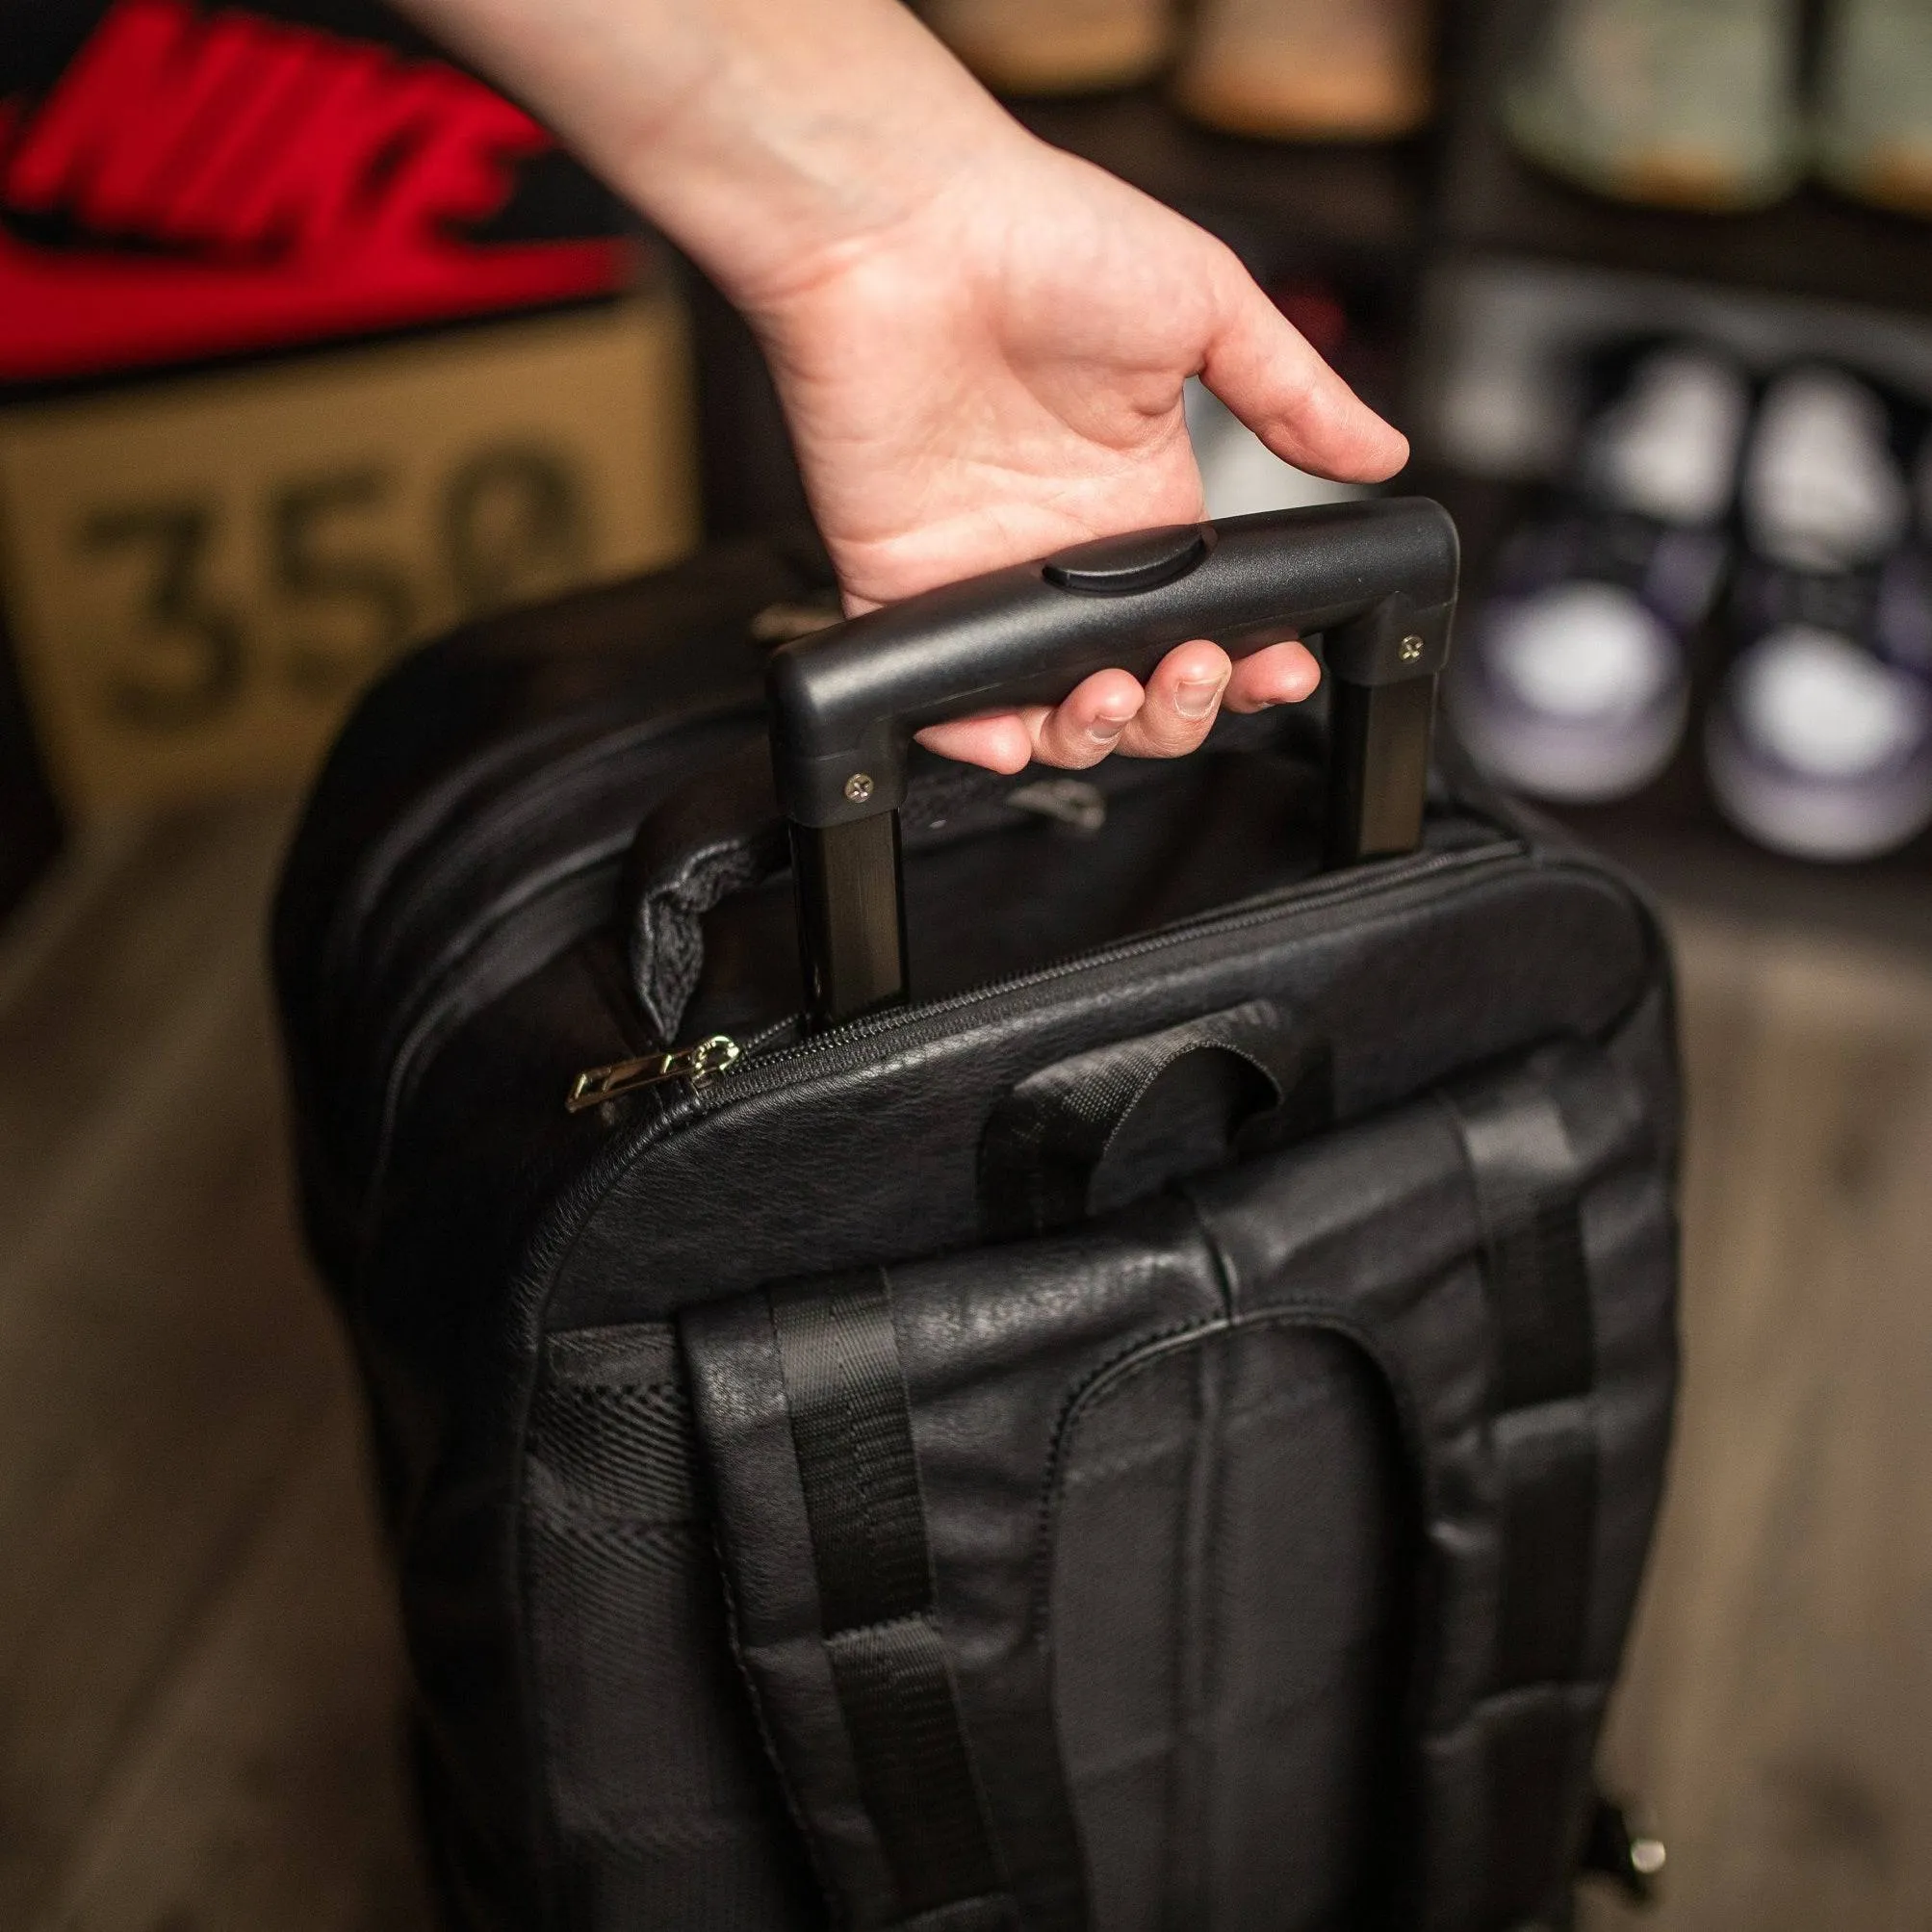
[
  {"x": 655, "y": 1774},
  {"x": 625, "y": 1450}
]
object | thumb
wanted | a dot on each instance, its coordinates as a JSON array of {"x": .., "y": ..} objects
[{"x": 1262, "y": 367}]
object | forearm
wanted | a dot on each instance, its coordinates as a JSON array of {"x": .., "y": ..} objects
[
  {"x": 765, "y": 137},
  {"x": 980, "y": 341}
]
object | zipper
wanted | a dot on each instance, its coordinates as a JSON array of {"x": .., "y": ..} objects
[
  {"x": 698, "y": 1064},
  {"x": 751, "y": 1069},
  {"x": 394, "y": 1028}
]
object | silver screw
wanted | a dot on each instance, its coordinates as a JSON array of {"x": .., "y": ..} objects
[
  {"x": 858, "y": 788},
  {"x": 1412, "y": 650}
]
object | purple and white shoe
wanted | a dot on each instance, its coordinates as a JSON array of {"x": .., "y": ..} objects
[
  {"x": 1819, "y": 743},
  {"x": 1574, "y": 685}
]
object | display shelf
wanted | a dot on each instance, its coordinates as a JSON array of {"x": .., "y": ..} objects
[
  {"x": 1705, "y": 865},
  {"x": 1814, "y": 244}
]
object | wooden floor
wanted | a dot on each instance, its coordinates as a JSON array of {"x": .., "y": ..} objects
[{"x": 199, "y": 1678}]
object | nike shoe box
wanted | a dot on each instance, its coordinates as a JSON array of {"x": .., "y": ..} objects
[{"x": 311, "y": 344}]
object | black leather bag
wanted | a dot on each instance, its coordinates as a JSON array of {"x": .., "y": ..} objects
[{"x": 1160, "y": 1429}]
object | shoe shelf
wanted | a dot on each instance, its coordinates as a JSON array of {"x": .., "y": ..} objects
[
  {"x": 1814, "y": 244},
  {"x": 1672, "y": 835}
]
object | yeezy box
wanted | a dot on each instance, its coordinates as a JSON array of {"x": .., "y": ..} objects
[{"x": 310, "y": 344}]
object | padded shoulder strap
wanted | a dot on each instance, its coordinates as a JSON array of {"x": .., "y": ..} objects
[{"x": 1536, "y": 1453}]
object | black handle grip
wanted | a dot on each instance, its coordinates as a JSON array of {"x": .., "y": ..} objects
[{"x": 1376, "y": 580}]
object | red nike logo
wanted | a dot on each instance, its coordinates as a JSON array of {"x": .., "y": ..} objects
[{"x": 197, "y": 184}]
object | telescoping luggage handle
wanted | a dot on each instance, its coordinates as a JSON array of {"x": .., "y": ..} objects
[{"x": 1375, "y": 580}]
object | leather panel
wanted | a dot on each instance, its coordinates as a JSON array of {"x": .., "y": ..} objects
[{"x": 1402, "y": 992}]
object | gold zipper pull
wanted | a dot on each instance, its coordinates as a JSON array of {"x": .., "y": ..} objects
[{"x": 696, "y": 1063}]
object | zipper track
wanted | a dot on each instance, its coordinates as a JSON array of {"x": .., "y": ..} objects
[
  {"x": 761, "y": 1071},
  {"x": 493, "y": 774},
  {"x": 569, "y": 905},
  {"x": 394, "y": 1032}
]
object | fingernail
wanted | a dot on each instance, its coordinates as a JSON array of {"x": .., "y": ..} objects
[
  {"x": 1195, "y": 699},
  {"x": 1104, "y": 731}
]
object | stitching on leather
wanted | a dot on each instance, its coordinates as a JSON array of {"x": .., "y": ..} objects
[
  {"x": 1148, "y": 1350},
  {"x": 1155, "y": 1344}
]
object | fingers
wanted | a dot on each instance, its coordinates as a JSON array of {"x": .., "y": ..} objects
[
  {"x": 1283, "y": 674},
  {"x": 1089, "y": 722},
  {"x": 1078, "y": 732},
  {"x": 1000, "y": 742},
  {"x": 1110, "y": 711},
  {"x": 1183, "y": 696},
  {"x": 1261, "y": 366}
]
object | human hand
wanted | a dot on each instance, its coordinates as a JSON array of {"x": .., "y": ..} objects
[
  {"x": 980, "y": 341},
  {"x": 999, "y": 375}
]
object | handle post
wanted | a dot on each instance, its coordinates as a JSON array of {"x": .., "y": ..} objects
[
  {"x": 851, "y": 918},
  {"x": 1379, "y": 740},
  {"x": 1376, "y": 581}
]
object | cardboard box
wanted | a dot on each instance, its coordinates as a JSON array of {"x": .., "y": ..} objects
[
  {"x": 201, "y": 561},
  {"x": 201, "y": 572}
]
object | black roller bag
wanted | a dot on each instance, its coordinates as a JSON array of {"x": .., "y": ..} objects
[{"x": 1159, "y": 1426}]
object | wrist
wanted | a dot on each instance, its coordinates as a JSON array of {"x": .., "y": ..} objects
[
  {"x": 765, "y": 140},
  {"x": 809, "y": 139}
]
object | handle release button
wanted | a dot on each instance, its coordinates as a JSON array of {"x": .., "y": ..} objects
[{"x": 1117, "y": 566}]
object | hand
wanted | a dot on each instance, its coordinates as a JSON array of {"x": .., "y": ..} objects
[
  {"x": 999, "y": 375},
  {"x": 980, "y": 341}
]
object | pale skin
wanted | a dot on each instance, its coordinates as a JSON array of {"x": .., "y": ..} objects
[{"x": 980, "y": 341}]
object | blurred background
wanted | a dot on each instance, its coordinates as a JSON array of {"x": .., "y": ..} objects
[{"x": 311, "y": 345}]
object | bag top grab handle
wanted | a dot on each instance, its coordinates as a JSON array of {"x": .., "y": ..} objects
[{"x": 1376, "y": 580}]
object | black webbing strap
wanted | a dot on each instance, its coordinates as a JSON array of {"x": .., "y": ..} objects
[
  {"x": 1046, "y": 1142},
  {"x": 1542, "y": 1369},
  {"x": 851, "y": 1428},
  {"x": 1525, "y": 1179}
]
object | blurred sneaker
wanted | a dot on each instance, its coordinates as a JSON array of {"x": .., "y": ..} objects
[
  {"x": 1874, "y": 126},
  {"x": 1675, "y": 103},
  {"x": 1574, "y": 685},
  {"x": 1055, "y": 46},
  {"x": 1820, "y": 744},
  {"x": 1309, "y": 69}
]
